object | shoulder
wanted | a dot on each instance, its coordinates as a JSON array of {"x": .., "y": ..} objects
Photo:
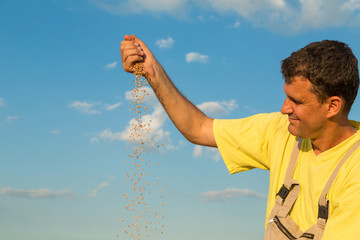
[
  {"x": 267, "y": 128},
  {"x": 262, "y": 120}
]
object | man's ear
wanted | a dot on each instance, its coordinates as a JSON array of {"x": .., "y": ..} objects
[{"x": 335, "y": 106}]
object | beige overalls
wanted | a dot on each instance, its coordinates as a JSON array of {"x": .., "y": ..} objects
[{"x": 280, "y": 225}]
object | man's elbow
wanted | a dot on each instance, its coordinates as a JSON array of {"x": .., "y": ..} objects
[{"x": 203, "y": 134}]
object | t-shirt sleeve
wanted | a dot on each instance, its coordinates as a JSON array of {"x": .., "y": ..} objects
[{"x": 244, "y": 143}]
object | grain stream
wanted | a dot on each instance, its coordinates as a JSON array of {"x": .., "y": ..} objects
[{"x": 144, "y": 200}]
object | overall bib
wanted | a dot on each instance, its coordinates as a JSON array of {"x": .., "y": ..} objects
[{"x": 280, "y": 225}]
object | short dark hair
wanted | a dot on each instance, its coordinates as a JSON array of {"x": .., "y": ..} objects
[{"x": 330, "y": 66}]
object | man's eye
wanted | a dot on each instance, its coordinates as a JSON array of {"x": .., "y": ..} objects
[{"x": 296, "y": 101}]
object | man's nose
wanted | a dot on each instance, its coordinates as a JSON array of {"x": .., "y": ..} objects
[{"x": 286, "y": 107}]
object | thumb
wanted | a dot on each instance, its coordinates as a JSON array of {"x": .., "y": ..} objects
[{"x": 129, "y": 37}]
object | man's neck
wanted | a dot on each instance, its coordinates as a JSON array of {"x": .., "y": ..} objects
[{"x": 334, "y": 135}]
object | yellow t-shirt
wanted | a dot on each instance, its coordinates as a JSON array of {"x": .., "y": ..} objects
[{"x": 263, "y": 141}]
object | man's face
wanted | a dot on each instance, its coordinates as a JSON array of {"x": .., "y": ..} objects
[{"x": 307, "y": 115}]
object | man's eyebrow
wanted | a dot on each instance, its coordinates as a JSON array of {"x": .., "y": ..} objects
[{"x": 294, "y": 100}]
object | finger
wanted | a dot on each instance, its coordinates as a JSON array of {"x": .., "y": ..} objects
[
  {"x": 126, "y": 45},
  {"x": 128, "y": 65},
  {"x": 127, "y": 49},
  {"x": 130, "y": 52},
  {"x": 138, "y": 42}
]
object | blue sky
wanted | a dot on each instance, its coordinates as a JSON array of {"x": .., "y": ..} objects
[{"x": 64, "y": 115}]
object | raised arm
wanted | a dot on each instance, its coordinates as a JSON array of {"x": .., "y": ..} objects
[{"x": 189, "y": 120}]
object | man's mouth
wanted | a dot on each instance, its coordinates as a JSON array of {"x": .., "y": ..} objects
[{"x": 293, "y": 119}]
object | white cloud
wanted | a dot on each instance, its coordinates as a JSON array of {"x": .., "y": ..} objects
[
  {"x": 153, "y": 121},
  {"x": 279, "y": 15},
  {"x": 212, "y": 108},
  {"x": 2, "y": 103},
  {"x": 90, "y": 108},
  {"x": 218, "y": 108},
  {"x": 236, "y": 24},
  {"x": 165, "y": 43},
  {"x": 156, "y": 121},
  {"x": 55, "y": 131},
  {"x": 251, "y": 109},
  {"x": 12, "y": 118},
  {"x": 39, "y": 193},
  {"x": 196, "y": 57},
  {"x": 207, "y": 152},
  {"x": 198, "y": 151},
  {"x": 85, "y": 107},
  {"x": 145, "y": 93},
  {"x": 320, "y": 13},
  {"x": 95, "y": 191},
  {"x": 174, "y": 7},
  {"x": 201, "y": 18},
  {"x": 95, "y": 139},
  {"x": 182, "y": 143},
  {"x": 110, "y": 107},
  {"x": 111, "y": 65},
  {"x": 352, "y": 5},
  {"x": 107, "y": 134},
  {"x": 230, "y": 105},
  {"x": 245, "y": 8},
  {"x": 228, "y": 194},
  {"x": 291, "y": 16}
]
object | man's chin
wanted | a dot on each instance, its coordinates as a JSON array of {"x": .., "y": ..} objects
[{"x": 293, "y": 131}]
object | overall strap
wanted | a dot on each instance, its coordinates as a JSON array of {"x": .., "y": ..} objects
[
  {"x": 292, "y": 162},
  {"x": 289, "y": 182},
  {"x": 322, "y": 200},
  {"x": 289, "y": 191},
  {"x": 323, "y": 213}
]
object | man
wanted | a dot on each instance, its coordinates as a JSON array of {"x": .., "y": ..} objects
[{"x": 310, "y": 148}]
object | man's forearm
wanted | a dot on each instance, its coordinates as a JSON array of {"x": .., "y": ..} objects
[{"x": 189, "y": 120}]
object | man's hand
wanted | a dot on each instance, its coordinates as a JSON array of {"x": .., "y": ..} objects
[
  {"x": 134, "y": 50},
  {"x": 190, "y": 121}
]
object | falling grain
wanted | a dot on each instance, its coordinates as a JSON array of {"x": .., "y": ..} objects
[{"x": 140, "y": 183}]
